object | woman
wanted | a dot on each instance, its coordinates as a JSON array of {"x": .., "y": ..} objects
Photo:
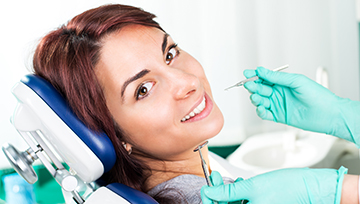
[{"x": 122, "y": 74}]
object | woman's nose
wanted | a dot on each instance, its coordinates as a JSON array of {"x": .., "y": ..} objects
[{"x": 183, "y": 84}]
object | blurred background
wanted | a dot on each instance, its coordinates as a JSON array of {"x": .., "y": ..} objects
[{"x": 226, "y": 37}]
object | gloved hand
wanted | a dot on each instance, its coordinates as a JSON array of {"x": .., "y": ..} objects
[
  {"x": 216, "y": 180},
  {"x": 282, "y": 186},
  {"x": 298, "y": 101}
]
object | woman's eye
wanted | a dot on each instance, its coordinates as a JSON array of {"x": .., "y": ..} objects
[
  {"x": 143, "y": 90},
  {"x": 172, "y": 53}
]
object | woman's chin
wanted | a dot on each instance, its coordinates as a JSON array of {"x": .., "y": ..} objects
[{"x": 215, "y": 126}]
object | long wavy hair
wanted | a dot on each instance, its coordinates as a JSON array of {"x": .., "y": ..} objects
[{"x": 67, "y": 57}]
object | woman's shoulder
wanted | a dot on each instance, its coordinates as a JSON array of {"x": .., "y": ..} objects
[{"x": 182, "y": 188}]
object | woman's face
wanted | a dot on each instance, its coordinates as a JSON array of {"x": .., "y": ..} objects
[{"x": 156, "y": 92}]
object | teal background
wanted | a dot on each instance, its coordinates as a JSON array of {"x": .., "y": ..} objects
[{"x": 47, "y": 190}]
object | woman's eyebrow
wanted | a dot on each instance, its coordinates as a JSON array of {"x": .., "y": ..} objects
[
  {"x": 133, "y": 78},
  {"x": 145, "y": 71},
  {"x": 164, "y": 44}
]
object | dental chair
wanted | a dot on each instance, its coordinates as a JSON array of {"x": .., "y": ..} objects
[{"x": 73, "y": 154}]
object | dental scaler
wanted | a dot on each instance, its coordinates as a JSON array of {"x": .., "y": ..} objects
[{"x": 241, "y": 83}]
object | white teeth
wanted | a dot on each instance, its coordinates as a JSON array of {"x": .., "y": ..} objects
[{"x": 196, "y": 110}]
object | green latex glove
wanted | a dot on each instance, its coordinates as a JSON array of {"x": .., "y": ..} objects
[
  {"x": 283, "y": 187},
  {"x": 298, "y": 101},
  {"x": 216, "y": 180}
]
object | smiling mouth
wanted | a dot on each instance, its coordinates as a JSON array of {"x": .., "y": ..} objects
[{"x": 196, "y": 110}]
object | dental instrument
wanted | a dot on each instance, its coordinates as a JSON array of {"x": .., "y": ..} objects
[
  {"x": 241, "y": 83},
  {"x": 204, "y": 165}
]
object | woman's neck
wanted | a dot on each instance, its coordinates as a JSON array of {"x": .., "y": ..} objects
[{"x": 162, "y": 171}]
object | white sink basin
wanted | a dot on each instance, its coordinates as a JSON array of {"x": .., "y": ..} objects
[
  {"x": 271, "y": 151},
  {"x": 275, "y": 156},
  {"x": 269, "y": 157}
]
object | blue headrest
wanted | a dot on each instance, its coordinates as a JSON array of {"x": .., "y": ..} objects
[{"x": 98, "y": 142}]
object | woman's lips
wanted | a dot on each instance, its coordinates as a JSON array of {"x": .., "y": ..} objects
[
  {"x": 200, "y": 107},
  {"x": 198, "y": 114}
]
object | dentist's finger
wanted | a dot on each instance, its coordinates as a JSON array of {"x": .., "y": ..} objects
[
  {"x": 264, "y": 113},
  {"x": 280, "y": 78},
  {"x": 216, "y": 178},
  {"x": 204, "y": 198},
  {"x": 248, "y": 73},
  {"x": 259, "y": 88},
  {"x": 230, "y": 192},
  {"x": 258, "y": 100}
]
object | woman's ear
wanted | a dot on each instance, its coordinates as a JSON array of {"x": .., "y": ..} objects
[{"x": 128, "y": 147}]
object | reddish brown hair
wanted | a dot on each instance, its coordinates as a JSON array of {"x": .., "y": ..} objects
[{"x": 66, "y": 57}]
